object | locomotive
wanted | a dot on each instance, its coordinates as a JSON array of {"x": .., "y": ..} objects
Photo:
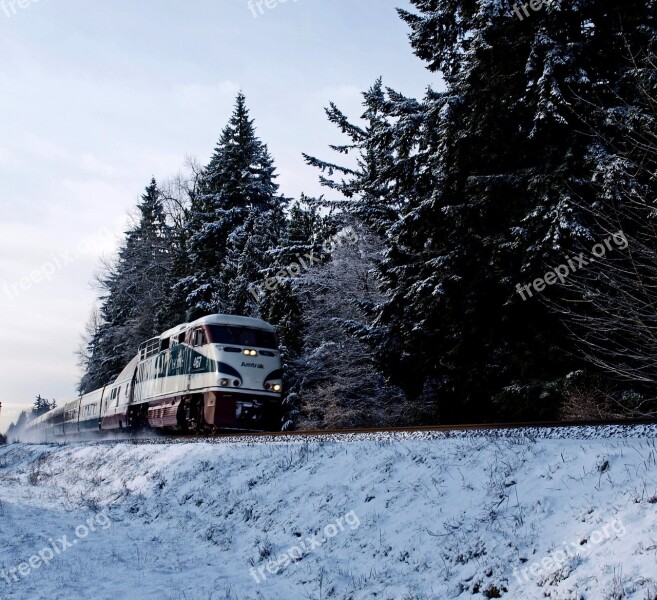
[{"x": 219, "y": 372}]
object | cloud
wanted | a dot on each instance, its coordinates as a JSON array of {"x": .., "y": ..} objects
[{"x": 205, "y": 96}]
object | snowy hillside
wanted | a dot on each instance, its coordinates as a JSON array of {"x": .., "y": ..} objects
[{"x": 567, "y": 515}]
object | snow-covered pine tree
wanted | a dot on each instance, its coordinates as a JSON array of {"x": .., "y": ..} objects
[
  {"x": 611, "y": 307},
  {"x": 386, "y": 167},
  {"x": 497, "y": 173},
  {"x": 251, "y": 252},
  {"x": 132, "y": 291},
  {"x": 237, "y": 195},
  {"x": 41, "y": 406},
  {"x": 293, "y": 260}
]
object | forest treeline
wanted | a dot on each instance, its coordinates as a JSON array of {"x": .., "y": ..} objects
[
  {"x": 41, "y": 406},
  {"x": 539, "y": 145}
]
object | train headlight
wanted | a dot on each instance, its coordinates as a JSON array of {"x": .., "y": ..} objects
[
  {"x": 277, "y": 387},
  {"x": 224, "y": 382},
  {"x": 273, "y": 387},
  {"x": 250, "y": 352}
]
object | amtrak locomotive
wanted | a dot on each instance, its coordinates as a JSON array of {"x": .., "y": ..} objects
[{"x": 218, "y": 373}]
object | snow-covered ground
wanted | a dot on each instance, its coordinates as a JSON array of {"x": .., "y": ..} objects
[{"x": 564, "y": 514}]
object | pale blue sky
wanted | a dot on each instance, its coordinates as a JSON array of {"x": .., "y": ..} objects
[{"x": 97, "y": 97}]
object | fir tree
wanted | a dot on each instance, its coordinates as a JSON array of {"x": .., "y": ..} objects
[
  {"x": 133, "y": 290},
  {"x": 237, "y": 198},
  {"x": 610, "y": 307},
  {"x": 496, "y": 177},
  {"x": 42, "y": 406}
]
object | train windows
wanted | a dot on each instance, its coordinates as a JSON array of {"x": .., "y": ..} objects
[
  {"x": 198, "y": 339},
  {"x": 181, "y": 338},
  {"x": 164, "y": 344},
  {"x": 149, "y": 348},
  {"x": 242, "y": 336}
]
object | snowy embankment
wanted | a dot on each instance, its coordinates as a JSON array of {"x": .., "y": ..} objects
[{"x": 563, "y": 514}]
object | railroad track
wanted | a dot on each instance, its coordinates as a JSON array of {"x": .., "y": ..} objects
[
  {"x": 463, "y": 427},
  {"x": 438, "y": 431}
]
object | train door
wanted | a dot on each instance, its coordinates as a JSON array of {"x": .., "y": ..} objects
[
  {"x": 188, "y": 360},
  {"x": 135, "y": 395},
  {"x": 195, "y": 359}
]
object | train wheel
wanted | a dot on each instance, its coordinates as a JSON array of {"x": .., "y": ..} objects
[
  {"x": 190, "y": 415},
  {"x": 138, "y": 417}
]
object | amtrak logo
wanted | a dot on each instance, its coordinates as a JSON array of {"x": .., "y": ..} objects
[{"x": 253, "y": 365}]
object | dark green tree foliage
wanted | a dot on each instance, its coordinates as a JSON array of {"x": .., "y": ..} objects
[
  {"x": 251, "y": 252},
  {"x": 611, "y": 310},
  {"x": 305, "y": 225},
  {"x": 235, "y": 219},
  {"x": 133, "y": 290},
  {"x": 173, "y": 309},
  {"x": 483, "y": 186},
  {"x": 303, "y": 235},
  {"x": 42, "y": 406}
]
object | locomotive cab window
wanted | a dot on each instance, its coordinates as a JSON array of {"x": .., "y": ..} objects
[{"x": 243, "y": 336}]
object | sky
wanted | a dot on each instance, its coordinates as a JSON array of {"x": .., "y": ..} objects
[{"x": 98, "y": 97}]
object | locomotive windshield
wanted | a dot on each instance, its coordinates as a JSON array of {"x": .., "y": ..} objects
[{"x": 242, "y": 336}]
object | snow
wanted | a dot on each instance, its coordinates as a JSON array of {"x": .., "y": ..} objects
[{"x": 408, "y": 515}]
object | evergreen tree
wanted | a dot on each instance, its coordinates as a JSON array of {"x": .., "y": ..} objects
[
  {"x": 304, "y": 233},
  {"x": 134, "y": 288},
  {"x": 42, "y": 406},
  {"x": 610, "y": 306},
  {"x": 237, "y": 199},
  {"x": 495, "y": 176}
]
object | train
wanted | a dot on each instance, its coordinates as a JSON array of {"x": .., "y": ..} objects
[{"x": 217, "y": 373}]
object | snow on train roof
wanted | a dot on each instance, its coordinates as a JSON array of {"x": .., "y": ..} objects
[{"x": 221, "y": 320}]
